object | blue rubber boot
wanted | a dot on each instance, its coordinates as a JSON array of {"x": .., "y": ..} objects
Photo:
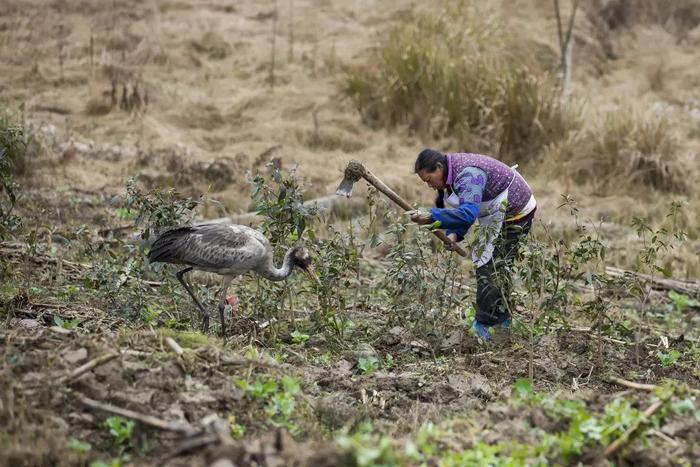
[{"x": 482, "y": 330}]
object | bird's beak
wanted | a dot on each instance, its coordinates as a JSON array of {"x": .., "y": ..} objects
[{"x": 312, "y": 273}]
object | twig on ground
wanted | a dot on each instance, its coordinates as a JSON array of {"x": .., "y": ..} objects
[
  {"x": 632, "y": 430},
  {"x": 664, "y": 436},
  {"x": 247, "y": 361},
  {"x": 177, "y": 427},
  {"x": 50, "y": 305},
  {"x": 189, "y": 445},
  {"x": 631, "y": 384},
  {"x": 101, "y": 360},
  {"x": 174, "y": 346},
  {"x": 686, "y": 287},
  {"x": 136, "y": 353},
  {"x": 644, "y": 387}
]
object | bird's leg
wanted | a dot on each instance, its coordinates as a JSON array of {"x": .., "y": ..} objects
[
  {"x": 222, "y": 303},
  {"x": 205, "y": 313}
]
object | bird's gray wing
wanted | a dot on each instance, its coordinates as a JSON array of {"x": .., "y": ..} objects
[{"x": 224, "y": 248}]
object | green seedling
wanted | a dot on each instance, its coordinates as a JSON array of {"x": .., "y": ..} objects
[
  {"x": 237, "y": 431},
  {"x": 299, "y": 338},
  {"x": 121, "y": 429},
  {"x": 682, "y": 302},
  {"x": 668, "y": 358},
  {"x": 78, "y": 446},
  {"x": 66, "y": 323},
  {"x": 367, "y": 365}
]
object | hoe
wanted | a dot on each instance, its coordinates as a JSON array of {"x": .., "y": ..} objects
[{"x": 355, "y": 171}]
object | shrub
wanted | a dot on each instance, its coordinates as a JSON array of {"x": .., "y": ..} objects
[
  {"x": 17, "y": 147},
  {"x": 18, "y": 143},
  {"x": 628, "y": 149},
  {"x": 453, "y": 75},
  {"x": 678, "y": 17}
]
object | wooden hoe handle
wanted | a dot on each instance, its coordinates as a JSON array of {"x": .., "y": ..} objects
[{"x": 379, "y": 185}]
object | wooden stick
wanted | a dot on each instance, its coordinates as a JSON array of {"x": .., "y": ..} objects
[
  {"x": 665, "y": 437},
  {"x": 174, "y": 346},
  {"x": 392, "y": 195},
  {"x": 631, "y": 384},
  {"x": 628, "y": 434},
  {"x": 149, "y": 420},
  {"x": 247, "y": 362},
  {"x": 644, "y": 387},
  {"x": 101, "y": 360},
  {"x": 685, "y": 287},
  {"x": 189, "y": 445}
]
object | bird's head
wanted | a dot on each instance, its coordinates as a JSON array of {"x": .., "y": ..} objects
[{"x": 302, "y": 259}]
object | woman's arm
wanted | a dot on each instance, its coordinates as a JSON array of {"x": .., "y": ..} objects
[{"x": 468, "y": 186}]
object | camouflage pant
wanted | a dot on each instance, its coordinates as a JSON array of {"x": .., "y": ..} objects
[{"x": 493, "y": 280}]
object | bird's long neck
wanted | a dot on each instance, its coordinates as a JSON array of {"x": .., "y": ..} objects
[{"x": 270, "y": 272}]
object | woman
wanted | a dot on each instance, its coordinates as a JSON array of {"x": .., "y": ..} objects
[{"x": 471, "y": 187}]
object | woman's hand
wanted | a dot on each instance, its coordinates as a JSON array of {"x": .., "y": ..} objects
[
  {"x": 422, "y": 219},
  {"x": 451, "y": 246}
]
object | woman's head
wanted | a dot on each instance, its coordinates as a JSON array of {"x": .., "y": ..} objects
[{"x": 431, "y": 167}]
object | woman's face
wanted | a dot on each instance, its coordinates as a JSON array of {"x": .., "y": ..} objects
[{"x": 435, "y": 179}]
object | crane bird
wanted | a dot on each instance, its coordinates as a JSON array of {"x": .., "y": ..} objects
[{"x": 225, "y": 249}]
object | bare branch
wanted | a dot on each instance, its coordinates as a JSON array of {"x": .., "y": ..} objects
[
  {"x": 561, "y": 36},
  {"x": 629, "y": 434},
  {"x": 101, "y": 360},
  {"x": 149, "y": 420}
]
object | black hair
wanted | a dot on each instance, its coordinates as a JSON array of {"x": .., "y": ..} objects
[{"x": 428, "y": 160}]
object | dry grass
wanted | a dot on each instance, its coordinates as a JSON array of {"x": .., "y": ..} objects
[
  {"x": 678, "y": 16},
  {"x": 212, "y": 45},
  {"x": 453, "y": 75},
  {"x": 19, "y": 143},
  {"x": 626, "y": 149}
]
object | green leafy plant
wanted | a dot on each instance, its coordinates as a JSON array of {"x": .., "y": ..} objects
[
  {"x": 157, "y": 209},
  {"x": 682, "y": 302},
  {"x": 668, "y": 358},
  {"x": 420, "y": 272},
  {"x": 150, "y": 312},
  {"x": 117, "y": 462},
  {"x": 367, "y": 447},
  {"x": 279, "y": 398},
  {"x": 66, "y": 323},
  {"x": 280, "y": 200},
  {"x": 655, "y": 243},
  {"x": 686, "y": 406},
  {"x": 427, "y": 442},
  {"x": 367, "y": 365},
  {"x": 299, "y": 338},
  {"x": 121, "y": 429},
  {"x": 619, "y": 415},
  {"x": 260, "y": 389},
  {"x": 389, "y": 361},
  {"x": 19, "y": 145},
  {"x": 523, "y": 389},
  {"x": 281, "y": 406},
  {"x": 78, "y": 446},
  {"x": 237, "y": 431},
  {"x": 125, "y": 213}
]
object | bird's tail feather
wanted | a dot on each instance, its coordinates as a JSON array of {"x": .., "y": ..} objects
[{"x": 164, "y": 249}]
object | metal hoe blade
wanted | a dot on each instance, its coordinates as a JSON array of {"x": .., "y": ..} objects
[{"x": 345, "y": 188}]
